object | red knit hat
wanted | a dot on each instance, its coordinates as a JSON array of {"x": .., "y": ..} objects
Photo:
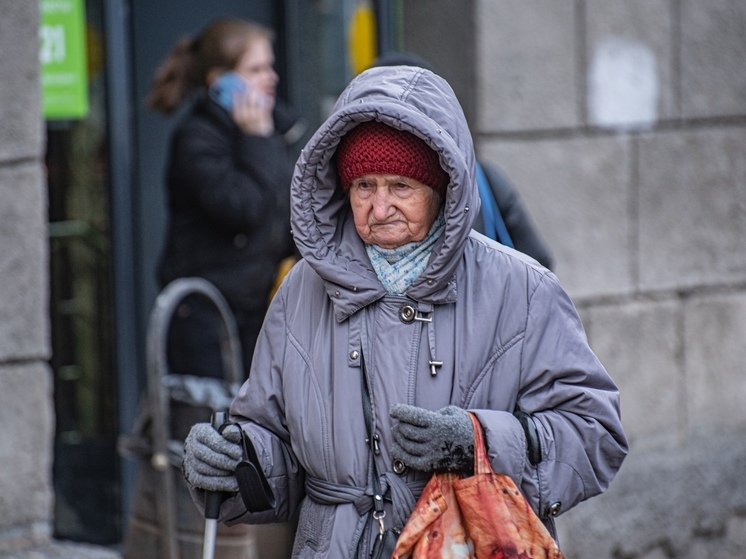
[{"x": 375, "y": 148}]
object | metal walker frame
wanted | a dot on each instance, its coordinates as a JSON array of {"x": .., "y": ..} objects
[{"x": 158, "y": 396}]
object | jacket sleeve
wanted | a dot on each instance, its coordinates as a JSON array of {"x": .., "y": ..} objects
[
  {"x": 573, "y": 402},
  {"x": 231, "y": 176},
  {"x": 260, "y": 409}
]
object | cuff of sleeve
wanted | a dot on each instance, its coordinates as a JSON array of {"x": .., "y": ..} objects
[{"x": 506, "y": 442}]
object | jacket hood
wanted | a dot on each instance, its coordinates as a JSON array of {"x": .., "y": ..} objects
[{"x": 407, "y": 98}]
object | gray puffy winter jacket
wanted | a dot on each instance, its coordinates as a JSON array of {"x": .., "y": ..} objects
[{"x": 506, "y": 333}]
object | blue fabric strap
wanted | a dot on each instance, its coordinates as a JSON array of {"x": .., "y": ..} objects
[{"x": 494, "y": 226}]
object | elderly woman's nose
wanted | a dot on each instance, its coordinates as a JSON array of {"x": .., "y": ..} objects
[{"x": 382, "y": 203}]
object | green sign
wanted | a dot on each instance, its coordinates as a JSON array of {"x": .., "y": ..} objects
[{"x": 62, "y": 53}]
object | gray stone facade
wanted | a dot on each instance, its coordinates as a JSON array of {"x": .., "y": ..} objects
[
  {"x": 623, "y": 127},
  {"x": 26, "y": 406}
]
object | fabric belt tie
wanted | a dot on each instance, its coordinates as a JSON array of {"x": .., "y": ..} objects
[{"x": 403, "y": 495}]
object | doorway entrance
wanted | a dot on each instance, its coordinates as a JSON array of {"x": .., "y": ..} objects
[
  {"x": 85, "y": 471},
  {"x": 106, "y": 211}
]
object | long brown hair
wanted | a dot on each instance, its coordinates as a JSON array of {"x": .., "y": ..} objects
[{"x": 219, "y": 46}]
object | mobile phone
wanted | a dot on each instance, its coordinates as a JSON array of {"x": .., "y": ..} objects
[{"x": 225, "y": 87}]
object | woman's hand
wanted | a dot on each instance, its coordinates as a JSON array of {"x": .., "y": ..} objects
[
  {"x": 433, "y": 440},
  {"x": 211, "y": 458},
  {"x": 252, "y": 111}
]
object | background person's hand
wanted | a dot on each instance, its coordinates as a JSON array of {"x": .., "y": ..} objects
[
  {"x": 252, "y": 111},
  {"x": 433, "y": 440},
  {"x": 210, "y": 458}
]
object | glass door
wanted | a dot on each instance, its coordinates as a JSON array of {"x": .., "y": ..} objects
[{"x": 85, "y": 471}]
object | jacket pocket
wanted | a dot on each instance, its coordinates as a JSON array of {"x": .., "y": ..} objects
[{"x": 314, "y": 528}]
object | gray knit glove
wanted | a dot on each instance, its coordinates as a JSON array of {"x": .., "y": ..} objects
[
  {"x": 433, "y": 440},
  {"x": 210, "y": 458}
]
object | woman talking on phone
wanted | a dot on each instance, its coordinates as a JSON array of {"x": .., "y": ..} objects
[{"x": 228, "y": 179}]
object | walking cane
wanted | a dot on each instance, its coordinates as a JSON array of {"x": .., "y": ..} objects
[{"x": 213, "y": 500}]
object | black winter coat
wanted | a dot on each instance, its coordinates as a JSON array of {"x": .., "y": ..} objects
[{"x": 228, "y": 198}]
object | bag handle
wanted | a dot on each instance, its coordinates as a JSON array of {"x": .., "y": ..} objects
[{"x": 481, "y": 462}]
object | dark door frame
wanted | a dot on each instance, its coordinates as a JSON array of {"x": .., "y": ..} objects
[{"x": 133, "y": 248}]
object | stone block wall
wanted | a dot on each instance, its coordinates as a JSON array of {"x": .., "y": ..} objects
[
  {"x": 623, "y": 127},
  {"x": 26, "y": 405}
]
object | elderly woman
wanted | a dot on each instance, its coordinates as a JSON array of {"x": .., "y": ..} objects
[{"x": 398, "y": 319}]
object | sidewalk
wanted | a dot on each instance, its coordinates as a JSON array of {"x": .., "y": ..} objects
[{"x": 62, "y": 550}]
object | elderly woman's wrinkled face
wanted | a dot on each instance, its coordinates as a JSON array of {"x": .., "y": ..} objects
[{"x": 391, "y": 211}]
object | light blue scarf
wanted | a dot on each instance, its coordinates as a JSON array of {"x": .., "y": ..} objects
[{"x": 398, "y": 267}]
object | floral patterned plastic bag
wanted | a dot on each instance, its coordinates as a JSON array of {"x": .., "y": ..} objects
[{"x": 483, "y": 516}]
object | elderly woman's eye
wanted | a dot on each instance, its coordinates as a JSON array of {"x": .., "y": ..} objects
[{"x": 401, "y": 189}]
